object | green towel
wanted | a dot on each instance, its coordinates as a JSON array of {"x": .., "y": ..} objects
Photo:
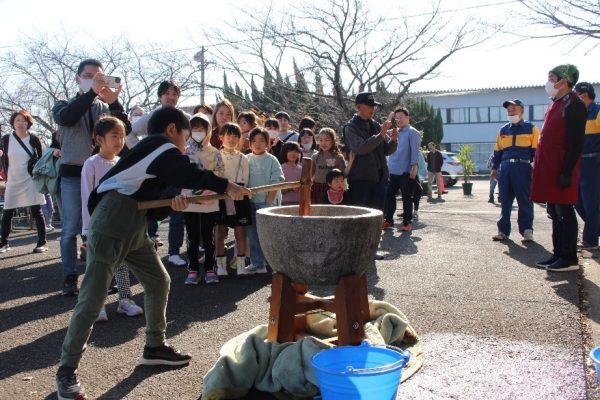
[{"x": 248, "y": 361}]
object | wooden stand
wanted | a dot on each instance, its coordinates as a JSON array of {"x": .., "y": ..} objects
[{"x": 290, "y": 302}]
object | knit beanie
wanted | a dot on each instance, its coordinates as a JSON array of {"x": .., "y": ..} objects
[{"x": 568, "y": 71}]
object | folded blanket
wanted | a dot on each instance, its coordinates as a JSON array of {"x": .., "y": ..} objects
[{"x": 248, "y": 361}]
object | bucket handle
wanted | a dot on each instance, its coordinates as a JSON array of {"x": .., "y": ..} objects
[{"x": 404, "y": 353}]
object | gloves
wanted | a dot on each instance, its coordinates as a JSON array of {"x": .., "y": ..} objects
[{"x": 564, "y": 181}]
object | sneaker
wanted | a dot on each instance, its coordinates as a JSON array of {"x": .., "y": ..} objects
[
  {"x": 164, "y": 355},
  {"x": 40, "y": 248},
  {"x": 49, "y": 228},
  {"x": 415, "y": 215},
  {"x": 192, "y": 278},
  {"x": 243, "y": 271},
  {"x": 499, "y": 237},
  {"x": 563, "y": 265},
  {"x": 545, "y": 263},
  {"x": 211, "y": 277},
  {"x": 406, "y": 228},
  {"x": 70, "y": 286},
  {"x": 102, "y": 317},
  {"x": 67, "y": 384},
  {"x": 586, "y": 246},
  {"x": 387, "y": 225},
  {"x": 4, "y": 247},
  {"x": 177, "y": 261},
  {"x": 222, "y": 272},
  {"x": 83, "y": 251},
  {"x": 129, "y": 308},
  {"x": 252, "y": 269},
  {"x": 527, "y": 235}
]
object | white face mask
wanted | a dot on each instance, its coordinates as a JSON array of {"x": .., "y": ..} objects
[
  {"x": 273, "y": 133},
  {"x": 307, "y": 146},
  {"x": 513, "y": 119},
  {"x": 85, "y": 85},
  {"x": 550, "y": 89},
  {"x": 135, "y": 118},
  {"x": 198, "y": 136}
]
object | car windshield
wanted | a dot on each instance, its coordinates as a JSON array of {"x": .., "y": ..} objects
[{"x": 450, "y": 157}]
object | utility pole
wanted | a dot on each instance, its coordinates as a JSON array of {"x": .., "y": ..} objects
[{"x": 199, "y": 57}]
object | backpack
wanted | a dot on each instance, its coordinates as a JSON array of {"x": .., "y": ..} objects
[{"x": 45, "y": 173}]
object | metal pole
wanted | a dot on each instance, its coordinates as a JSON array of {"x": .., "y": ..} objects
[{"x": 202, "y": 83}]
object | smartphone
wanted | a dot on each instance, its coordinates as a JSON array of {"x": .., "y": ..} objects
[
  {"x": 112, "y": 82},
  {"x": 394, "y": 125}
]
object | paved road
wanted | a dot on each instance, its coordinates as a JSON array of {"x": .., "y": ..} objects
[{"x": 492, "y": 326}]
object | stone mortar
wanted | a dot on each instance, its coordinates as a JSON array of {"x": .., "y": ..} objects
[{"x": 334, "y": 241}]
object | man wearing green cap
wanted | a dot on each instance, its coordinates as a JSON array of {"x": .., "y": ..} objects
[{"x": 557, "y": 162}]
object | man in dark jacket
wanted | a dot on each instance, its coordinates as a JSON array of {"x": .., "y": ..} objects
[
  {"x": 434, "y": 170},
  {"x": 371, "y": 143}
]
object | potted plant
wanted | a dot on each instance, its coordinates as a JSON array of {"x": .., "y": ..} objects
[{"x": 464, "y": 156}]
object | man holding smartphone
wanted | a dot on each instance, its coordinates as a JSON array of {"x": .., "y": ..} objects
[
  {"x": 403, "y": 164},
  {"x": 76, "y": 118}
]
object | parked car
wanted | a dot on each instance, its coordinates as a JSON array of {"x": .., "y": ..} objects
[{"x": 451, "y": 169}]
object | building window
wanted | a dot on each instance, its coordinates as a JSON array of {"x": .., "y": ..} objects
[
  {"x": 497, "y": 114},
  {"x": 444, "y": 113},
  {"x": 478, "y": 114},
  {"x": 539, "y": 111},
  {"x": 458, "y": 116}
]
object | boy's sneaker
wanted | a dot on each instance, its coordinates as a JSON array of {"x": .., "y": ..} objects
[
  {"x": 129, "y": 308},
  {"x": 563, "y": 265},
  {"x": 253, "y": 269},
  {"x": 527, "y": 235},
  {"x": 211, "y": 277},
  {"x": 221, "y": 271},
  {"x": 192, "y": 278},
  {"x": 40, "y": 248},
  {"x": 545, "y": 263},
  {"x": 102, "y": 317},
  {"x": 67, "y": 384},
  {"x": 164, "y": 355},
  {"x": 4, "y": 247},
  {"x": 70, "y": 286},
  {"x": 176, "y": 260},
  {"x": 49, "y": 228},
  {"x": 406, "y": 228},
  {"x": 499, "y": 237},
  {"x": 387, "y": 225}
]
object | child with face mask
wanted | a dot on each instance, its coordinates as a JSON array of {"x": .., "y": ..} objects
[
  {"x": 272, "y": 128},
  {"x": 307, "y": 142},
  {"x": 201, "y": 219}
]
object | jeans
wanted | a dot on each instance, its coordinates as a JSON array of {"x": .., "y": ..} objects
[
  {"x": 367, "y": 194},
  {"x": 257, "y": 258},
  {"x": 493, "y": 184},
  {"x": 70, "y": 197},
  {"x": 564, "y": 231},
  {"x": 588, "y": 205},
  {"x": 176, "y": 232}
]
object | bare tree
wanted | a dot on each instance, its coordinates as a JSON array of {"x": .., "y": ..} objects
[
  {"x": 350, "y": 48},
  {"x": 42, "y": 70},
  {"x": 568, "y": 19}
]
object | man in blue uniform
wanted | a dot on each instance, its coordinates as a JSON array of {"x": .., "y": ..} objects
[
  {"x": 588, "y": 205},
  {"x": 513, "y": 154}
]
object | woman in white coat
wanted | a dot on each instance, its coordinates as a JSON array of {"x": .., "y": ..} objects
[{"x": 19, "y": 147}]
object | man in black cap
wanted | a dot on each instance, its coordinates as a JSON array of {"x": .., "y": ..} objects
[
  {"x": 588, "y": 205},
  {"x": 371, "y": 143},
  {"x": 513, "y": 154}
]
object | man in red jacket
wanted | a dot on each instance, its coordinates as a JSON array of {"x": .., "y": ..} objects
[{"x": 556, "y": 167}]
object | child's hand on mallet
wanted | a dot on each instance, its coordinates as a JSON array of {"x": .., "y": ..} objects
[{"x": 179, "y": 203}]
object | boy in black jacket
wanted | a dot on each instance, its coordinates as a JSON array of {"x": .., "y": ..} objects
[{"x": 117, "y": 235}]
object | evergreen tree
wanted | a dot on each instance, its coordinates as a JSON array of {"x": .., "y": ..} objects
[
  {"x": 301, "y": 84},
  {"x": 318, "y": 83}
]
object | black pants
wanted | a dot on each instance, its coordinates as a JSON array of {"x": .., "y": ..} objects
[
  {"x": 407, "y": 188},
  {"x": 564, "y": 231},
  {"x": 201, "y": 225},
  {"x": 417, "y": 194},
  {"x": 36, "y": 214}
]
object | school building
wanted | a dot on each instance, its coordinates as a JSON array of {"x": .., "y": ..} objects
[{"x": 474, "y": 116}]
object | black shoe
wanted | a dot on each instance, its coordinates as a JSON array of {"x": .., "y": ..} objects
[
  {"x": 70, "y": 286},
  {"x": 563, "y": 265},
  {"x": 545, "y": 263},
  {"x": 67, "y": 384},
  {"x": 113, "y": 288},
  {"x": 491, "y": 200},
  {"x": 164, "y": 355}
]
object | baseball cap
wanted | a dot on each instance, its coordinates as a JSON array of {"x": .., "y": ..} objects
[
  {"x": 515, "y": 102},
  {"x": 366, "y": 98},
  {"x": 585, "y": 87}
]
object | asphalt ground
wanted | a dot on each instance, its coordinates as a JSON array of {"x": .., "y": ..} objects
[{"x": 492, "y": 325}]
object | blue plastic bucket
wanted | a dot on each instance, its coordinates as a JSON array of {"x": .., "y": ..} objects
[
  {"x": 595, "y": 356},
  {"x": 359, "y": 372}
]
